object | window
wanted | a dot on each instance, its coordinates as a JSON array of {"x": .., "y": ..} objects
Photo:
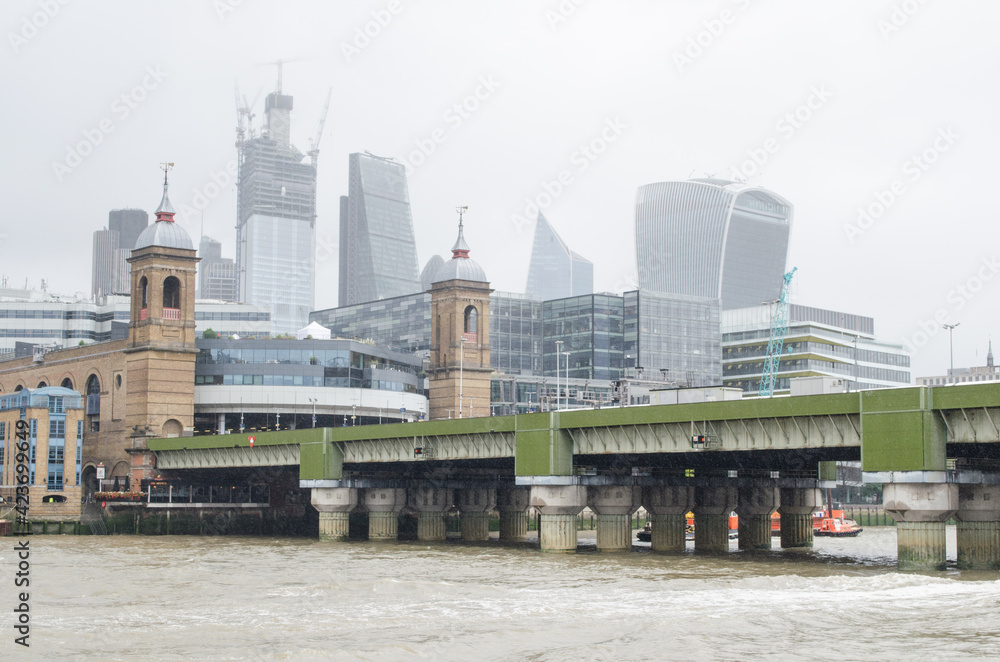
[
  {"x": 470, "y": 319},
  {"x": 171, "y": 292},
  {"x": 56, "y": 455},
  {"x": 57, "y": 428},
  {"x": 55, "y": 481}
]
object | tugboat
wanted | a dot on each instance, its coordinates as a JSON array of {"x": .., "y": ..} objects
[{"x": 829, "y": 522}]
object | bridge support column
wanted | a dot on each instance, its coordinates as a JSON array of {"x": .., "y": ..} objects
[
  {"x": 431, "y": 504},
  {"x": 221, "y": 423},
  {"x": 614, "y": 505},
  {"x": 712, "y": 506},
  {"x": 668, "y": 506},
  {"x": 513, "y": 506},
  {"x": 334, "y": 505},
  {"x": 384, "y": 505},
  {"x": 920, "y": 511},
  {"x": 797, "y": 507},
  {"x": 475, "y": 506},
  {"x": 979, "y": 527},
  {"x": 559, "y": 506},
  {"x": 756, "y": 504}
]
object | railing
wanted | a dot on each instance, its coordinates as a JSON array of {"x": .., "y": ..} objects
[
  {"x": 470, "y": 337},
  {"x": 143, "y": 314},
  {"x": 171, "y": 313}
]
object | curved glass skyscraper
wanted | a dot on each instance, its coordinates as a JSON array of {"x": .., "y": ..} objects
[{"x": 712, "y": 238}]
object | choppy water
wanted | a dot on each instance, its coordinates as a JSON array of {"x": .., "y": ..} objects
[{"x": 183, "y": 598}]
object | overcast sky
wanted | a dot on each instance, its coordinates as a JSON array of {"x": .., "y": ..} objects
[{"x": 890, "y": 107}]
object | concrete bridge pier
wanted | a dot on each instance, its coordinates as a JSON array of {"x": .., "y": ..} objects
[
  {"x": 921, "y": 511},
  {"x": 431, "y": 504},
  {"x": 475, "y": 506},
  {"x": 797, "y": 507},
  {"x": 755, "y": 506},
  {"x": 559, "y": 506},
  {"x": 384, "y": 505},
  {"x": 512, "y": 503},
  {"x": 335, "y": 505},
  {"x": 712, "y": 506},
  {"x": 668, "y": 507},
  {"x": 614, "y": 505},
  {"x": 979, "y": 526}
]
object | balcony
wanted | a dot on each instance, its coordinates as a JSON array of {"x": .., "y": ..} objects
[
  {"x": 472, "y": 338},
  {"x": 143, "y": 314},
  {"x": 171, "y": 313}
]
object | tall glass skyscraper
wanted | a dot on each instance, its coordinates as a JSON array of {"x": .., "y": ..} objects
[
  {"x": 276, "y": 222},
  {"x": 712, "y": 238},
  {"x": 556, "y": 272},
  {"x": 378, "y": 254}
]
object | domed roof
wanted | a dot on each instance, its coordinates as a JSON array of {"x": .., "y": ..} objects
[
  {"x": 164, "y": 232},
  {"x": 460, "y": 266}
]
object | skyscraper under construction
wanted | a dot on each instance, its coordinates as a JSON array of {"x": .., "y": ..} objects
[{"x": 276, "y": 218}]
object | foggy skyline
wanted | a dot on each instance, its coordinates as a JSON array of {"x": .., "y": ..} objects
[{"x": 873, "y": 119}]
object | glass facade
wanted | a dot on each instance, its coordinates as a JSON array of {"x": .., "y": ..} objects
[
  {"x": 515, "y": 334},
  {"x": 401, "y": 323},
  {"x": 378, "y": 253},
  {"x": 276, "y": 223},
  {"x": 713, "y": 239},
  {"x": 673, "y": 337},
  {"x": 591, "y": 329},
  {"x": 556, "y": 272}
]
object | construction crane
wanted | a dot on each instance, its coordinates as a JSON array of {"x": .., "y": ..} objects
[
  {"x": 779, "y": 327},
  {"x": 244, "y": 117},
  {"x": 318, "y": 135}
]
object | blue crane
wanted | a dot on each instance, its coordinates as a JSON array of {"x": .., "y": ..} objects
[{"x": 779, "y": 327}]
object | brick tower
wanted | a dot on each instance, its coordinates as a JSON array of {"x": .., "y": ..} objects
[{"x": 460, "y": 336}]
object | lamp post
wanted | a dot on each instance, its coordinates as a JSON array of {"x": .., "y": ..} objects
[
  {"x": 566, "y": 354},
  {"x": 313, "y": 401},
  {"x": 951, "y": 346},
  {"x": 354, "y": 415},
  {"x": 461, "y": 371},
  {"x": 559, "y": 344}
]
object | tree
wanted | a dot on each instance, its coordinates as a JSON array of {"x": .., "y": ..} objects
[{"x": 208, "y": 333}]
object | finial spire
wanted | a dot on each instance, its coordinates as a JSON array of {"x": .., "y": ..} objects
[
  {"x": 989, "y": 355},
  {"x": 460, "y": 249},
  {"x": 165, "y": 212}
]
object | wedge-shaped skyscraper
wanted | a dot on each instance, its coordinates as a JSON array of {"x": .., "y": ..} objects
[
  {"x": 556, "y": 272},
  {"x": 712, "y": 238},
  {"x": 378, "y": 254}
]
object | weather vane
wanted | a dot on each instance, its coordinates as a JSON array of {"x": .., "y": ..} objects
[
  {"x": 461, "y": 211},
  {"x": 165, "y": 167}
]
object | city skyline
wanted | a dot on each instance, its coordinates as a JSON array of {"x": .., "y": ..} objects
[{"x": 872, "y": 136}]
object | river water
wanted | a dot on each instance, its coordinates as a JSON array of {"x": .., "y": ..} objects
[{"x": 234, "y": 598}]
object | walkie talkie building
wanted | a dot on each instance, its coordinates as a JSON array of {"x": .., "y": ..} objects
[{"x": 712, "y": 238}]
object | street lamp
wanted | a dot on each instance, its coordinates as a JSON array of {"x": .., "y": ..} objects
[
  {"x": 461, "y": 370},
  {"x": 559, "y": 344},
  {"x": 354, "y": 414},
  {"x": 566, "y": 354},
  {"x": 313, "y": 401},
  {"x": 951, "y": 345}
]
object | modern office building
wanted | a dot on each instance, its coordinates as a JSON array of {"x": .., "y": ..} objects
[
  {"x": 556, "y": 272},
  {"x": 672, "y": 337},
  {"x": 584, "y": 337},
  {"x": 216, "y": 274},
  {"x": 401, "y": 323},
  {"x": 276, "y": 221},
  {"x": 243, "y": 385},
  {"x": 515, "y": 334},
  {"x": 713, "y": 239},
  {"x": 819, "y": 343},
  {"x": 973, "y": 375},
  {"x": 112, "y": 248},
  {"x": 378, "y": 254}
]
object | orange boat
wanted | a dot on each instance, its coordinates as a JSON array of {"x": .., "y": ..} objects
[{"x": 825, "y": 523}]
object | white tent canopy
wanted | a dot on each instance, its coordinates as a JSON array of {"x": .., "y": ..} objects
[{"x": 315, "y": 330}]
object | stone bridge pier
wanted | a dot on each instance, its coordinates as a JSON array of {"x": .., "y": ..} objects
[
  {"x": 383, "y": 505},
  {"x": 335, "y": 505},
  {"x": 755, "y": 505},
  {"x": 712, "y": 506},
  {"x": 475, "y": 504},
  {"x": 667, "y": 506},
  {"x": 512, "y": 503},
  {"x": 797, "y": 507},
  {"x": 614, "y": 505},
  {"x": 979, "y": 525},
  {"x": 559, "y": 506},
  {"x": 921, "y": 510},
  {"x": 431, "y": 503}
]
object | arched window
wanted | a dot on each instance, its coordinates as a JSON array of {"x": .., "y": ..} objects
[
  {"x": 144, "y": 290},
  {"x": 18, "y": 388},
  {"x": 470, "y": 319},
  {"x": 171, "y": 293},
  {"x": 93, "y": 385},
  {"x": 41, "y": 385},
  {"x": 67, "y": 383}
]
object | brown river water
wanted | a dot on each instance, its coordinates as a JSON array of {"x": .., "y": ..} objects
[{"x": 241, "y": 598}]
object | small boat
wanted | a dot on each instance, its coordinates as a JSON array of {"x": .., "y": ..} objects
[
  {"x": 646, "y": 534},
  {"x": 837, "y": 527}
]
